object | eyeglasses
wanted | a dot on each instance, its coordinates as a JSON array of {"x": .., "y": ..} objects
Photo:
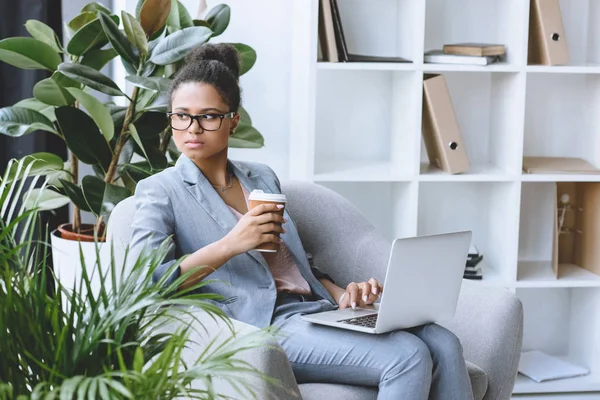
[{"x": 208, "y": 122}]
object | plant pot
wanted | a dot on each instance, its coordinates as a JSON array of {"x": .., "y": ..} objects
[
  {"x": 85, "y": 234},
  {"x": 67, "y": 255}
]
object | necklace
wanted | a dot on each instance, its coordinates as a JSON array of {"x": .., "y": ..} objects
[{"x": 229, "y": 186}]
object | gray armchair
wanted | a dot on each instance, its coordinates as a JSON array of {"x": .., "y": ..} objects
[{"x": 488, "y": 321}]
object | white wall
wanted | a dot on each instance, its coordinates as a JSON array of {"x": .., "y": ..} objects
[{"x": 265, "y": 25}]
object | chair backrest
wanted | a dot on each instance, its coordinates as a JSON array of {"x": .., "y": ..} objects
[{"x": 344, "y": 244}]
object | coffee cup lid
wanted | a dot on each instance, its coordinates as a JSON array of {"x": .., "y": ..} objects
[{"x": 260, "y": 195}]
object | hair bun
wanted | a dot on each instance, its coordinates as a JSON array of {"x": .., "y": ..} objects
[{"x": 222, "y": 52}]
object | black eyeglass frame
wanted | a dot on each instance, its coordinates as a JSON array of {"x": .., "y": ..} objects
[{"x": 197, "y": 117}]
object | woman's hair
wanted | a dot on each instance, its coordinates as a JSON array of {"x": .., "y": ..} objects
[{"x": 214, "y": 64}]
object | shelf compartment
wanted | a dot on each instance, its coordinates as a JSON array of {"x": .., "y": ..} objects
[
  {"x": 581, "y": 22},
  {"x": 367, "y": 118},
  {"x": 487, "y": 21},
  {"x": 487, "y": 209},
  {"x": 558, "y": 121},
  {"x": 489, "y": 111},
  {"x": 561, "y": 322},
  {"x": 389, "y": 206},
  {"x": 384, "y": 28}
]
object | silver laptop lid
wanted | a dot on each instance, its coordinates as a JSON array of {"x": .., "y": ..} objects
[{"x": 423, "y": 279}]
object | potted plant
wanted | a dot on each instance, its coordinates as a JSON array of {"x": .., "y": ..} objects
[
  {"x": 128, "y": 341},
  {"x": 123, "y": 142}
]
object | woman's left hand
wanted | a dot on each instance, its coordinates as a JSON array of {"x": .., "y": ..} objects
[{"x": 360, "y": 294}]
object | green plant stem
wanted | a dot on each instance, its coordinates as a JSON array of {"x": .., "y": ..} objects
[
  {"x": 112, "y": 168},
  {"x": 74, "y": 166},
  {"x": 166, "y": 138}
]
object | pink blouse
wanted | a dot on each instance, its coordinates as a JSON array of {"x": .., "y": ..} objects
[{"x": 282, "y": 264}]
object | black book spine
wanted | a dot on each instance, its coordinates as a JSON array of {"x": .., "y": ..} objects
[{"x": 339, "y": 31}]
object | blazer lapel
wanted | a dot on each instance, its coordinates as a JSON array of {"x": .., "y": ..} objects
[{"x": 205, "y": 194}]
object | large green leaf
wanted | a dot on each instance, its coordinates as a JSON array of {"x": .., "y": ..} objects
[
  {"x": 43, "y": 33},
  {"x": 28, "y": 53},
  {"x": 36, "y": 105},
  {"x": 117, "y": 113},
  {"x": 244, "y": 116},
  {"x": 154, "y": 15},
  {"x": 83, "y": 136},
  {"x": 97, "y": 110},
  {"x": 185, "y": 20},
  {"x": 174, "y": 47},
  {"x": 218, "y": 18},
  {"x": 139, "y": 170},
  {"x": 90, "y": 77},
  {"x": 246, "y": 137},
  {"x": 102, "y": 197},
  {"x": 91, "y": 36},
  {"x": 117, "y": 39},
  {"x": 247, "y": 57},
  {"x": 41, "y": 164},
  {"x": 173, "y": 22},
  {"x": 75, "y": 194},
  {"x": 50, "y": 91},
  {"x": 136, "y": 137},
  {"x": 96, "y": 7},
  {"x": 81, "y": 20},
  {"x": 151, "y": 124},
  {"x": 153, "y": 83},
  {"x": 45, "y": 199},
  {"x": 135, "y": 33},
  {"x": 98, "y": 58},
  {"x": 17, "y": 121}
]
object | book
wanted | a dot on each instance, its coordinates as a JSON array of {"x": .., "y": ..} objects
[
  {"x": 475, "y": 49},
  {"x": 541, "y": 367},
  {"x": 439, "y": 57},
  {"x": 557, "y": 165},
  {"x": 339, "y": 32},
  {"x": 327, "y": 32}
]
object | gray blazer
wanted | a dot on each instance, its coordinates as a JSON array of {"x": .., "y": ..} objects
[{"x": 180, "y": 205}]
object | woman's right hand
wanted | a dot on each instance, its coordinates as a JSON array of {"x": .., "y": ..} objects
[{"x": 255, "y": 228}]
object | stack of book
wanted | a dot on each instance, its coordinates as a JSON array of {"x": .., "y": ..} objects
[
  {"x": 466, "y": 53},
  {"x": 473, "y": 268},
  {"x": 332, "y": 42}
]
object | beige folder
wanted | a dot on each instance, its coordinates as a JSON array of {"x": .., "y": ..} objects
[
  {"x": 441, "y": 133},
  {"x": 547, "y": 42},
  {"x": 576, "y": 227}
]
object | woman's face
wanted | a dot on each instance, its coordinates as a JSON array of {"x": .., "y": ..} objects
[{"x": 195, "y": 142}]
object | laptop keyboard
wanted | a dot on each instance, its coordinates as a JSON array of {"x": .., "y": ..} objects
[{"x": 368, "y": 321}]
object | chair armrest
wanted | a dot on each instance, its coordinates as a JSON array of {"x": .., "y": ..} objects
[
  {"x": 489, "y": 324},
  {"x": 270, "y": 359}
]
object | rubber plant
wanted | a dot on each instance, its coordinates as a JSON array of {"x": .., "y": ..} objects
[{"x": 125, "y": 138}]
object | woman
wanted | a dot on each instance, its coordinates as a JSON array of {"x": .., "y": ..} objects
[{"x": 202, "y": 204}]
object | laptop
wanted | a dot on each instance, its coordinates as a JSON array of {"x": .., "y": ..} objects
[{"x": 422, "y": 284}]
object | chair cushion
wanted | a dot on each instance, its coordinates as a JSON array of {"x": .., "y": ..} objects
[{"x": 319, "y": 391}]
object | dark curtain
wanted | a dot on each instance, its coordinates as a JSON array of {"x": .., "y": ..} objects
[{"x": 17, "y": 84}]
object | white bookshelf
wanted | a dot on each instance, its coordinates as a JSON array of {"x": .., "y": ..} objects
[{"x": 356, "y": 128}]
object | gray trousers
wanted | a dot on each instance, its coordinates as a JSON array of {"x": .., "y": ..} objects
[{"x": 425, "y": 362}]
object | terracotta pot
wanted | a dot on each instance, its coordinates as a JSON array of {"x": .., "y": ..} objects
[{"x": 86, "y": 233}]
